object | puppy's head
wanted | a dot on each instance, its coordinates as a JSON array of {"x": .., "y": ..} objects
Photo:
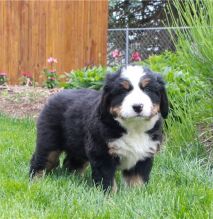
[{"x": 134, "y": 92}]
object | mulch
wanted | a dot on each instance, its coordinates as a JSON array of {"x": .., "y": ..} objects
[{"x": 23, "y": 101}]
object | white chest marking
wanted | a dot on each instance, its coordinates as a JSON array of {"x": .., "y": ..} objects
[{"x": 136, "y": 144}]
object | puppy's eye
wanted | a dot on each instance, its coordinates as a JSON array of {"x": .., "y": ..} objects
[
  {"x": 126, "y": 85},
  {"x": 149, "y": 89}
]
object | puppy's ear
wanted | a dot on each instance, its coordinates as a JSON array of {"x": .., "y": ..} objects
[
  {"x": 164, "y": 104},
  {"x": 104, "y": 103},
  {"x": 106, "y": 93}
]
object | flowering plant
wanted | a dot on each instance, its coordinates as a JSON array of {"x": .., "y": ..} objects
[
  {"x": 26, "y": 79},
  {"x": 52, "y": 60},
  {"x": 136, "y": 57},
  {"x": 116, "y": 53},
  {"x": 3, "y": 78},
  {"x": 51, "y": 74},
  {"x": 117, "y": 56}
]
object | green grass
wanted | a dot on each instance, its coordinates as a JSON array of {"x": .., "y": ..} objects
[{"x": 180, "y": 185}]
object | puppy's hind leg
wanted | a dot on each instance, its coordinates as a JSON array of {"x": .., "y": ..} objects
[
  {"x": 46, "y": 156},
  {"x": 73, "y": 164},
  {"x": 42, "y": 162}
]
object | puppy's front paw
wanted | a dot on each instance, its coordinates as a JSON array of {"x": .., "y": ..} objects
[{"x": 113, "y": 149}]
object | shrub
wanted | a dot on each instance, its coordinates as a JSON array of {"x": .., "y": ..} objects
[
  {"x": 195, "y": 43},
  {"x": 186, "y": 90},
  {"x": 178, "y": 75},
  {"x": 190, "y": 103},
  {"x": 87, "y": 78}
]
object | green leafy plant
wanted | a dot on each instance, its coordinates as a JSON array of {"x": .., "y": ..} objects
[
  {"x": 86, "y": 78},
  {"x": 185, "y": 89},
  {"x": 51, "y": 78},
  {"x": 3, "y": 78},
  {"x": 178, "y": 75}
]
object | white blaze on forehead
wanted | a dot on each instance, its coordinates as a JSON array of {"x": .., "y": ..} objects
[
  {"x": 133, "y": 74},
  {"x": 136, "y": 96}
]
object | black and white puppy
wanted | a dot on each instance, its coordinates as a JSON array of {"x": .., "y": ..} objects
[{"x": 119, "y": 127}]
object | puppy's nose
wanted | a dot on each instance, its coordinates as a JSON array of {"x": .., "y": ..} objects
[{"x": 137, "y": 108}]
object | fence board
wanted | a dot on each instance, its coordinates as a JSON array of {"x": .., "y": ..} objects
[{"x": 75, "y": 32}]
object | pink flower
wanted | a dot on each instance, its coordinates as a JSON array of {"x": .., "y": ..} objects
[
  {"x": 52, "y": 79},
  {"x": 116, "y": 54},
  {"x": 136, "y": 56},
  {"x": 52, "y": 60},
  {"x": 3, "y": 74},
  {"x": 52, "y": 70},
  {"x": 26, "y": 74}
]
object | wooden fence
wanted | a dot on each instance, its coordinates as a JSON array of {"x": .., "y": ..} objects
[{"x": 74, "y": 32}]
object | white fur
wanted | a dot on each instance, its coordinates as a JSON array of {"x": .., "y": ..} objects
[
  {"x": 136, "y": 144},
  {"x": 136, "y": 95}
]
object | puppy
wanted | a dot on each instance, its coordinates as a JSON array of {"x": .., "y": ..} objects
[{"x": 119, "y": 127}]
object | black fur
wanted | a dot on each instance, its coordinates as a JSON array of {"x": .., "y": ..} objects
[
  {"x": 158, "y": 91},
  {"x": 79, "y": 123},
  {"x": 142, "y": 168}
]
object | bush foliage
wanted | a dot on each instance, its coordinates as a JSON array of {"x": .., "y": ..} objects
[
  {"x": 178, "y": 75},
  {"x": 195, "y": 43},
  {"x": 86, "y": 78}
]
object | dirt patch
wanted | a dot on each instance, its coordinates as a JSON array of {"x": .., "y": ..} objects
[{"x": 23, "y": 101}]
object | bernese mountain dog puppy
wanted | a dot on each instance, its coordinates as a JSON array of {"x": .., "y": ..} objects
[{"x": 119, "y": 127}]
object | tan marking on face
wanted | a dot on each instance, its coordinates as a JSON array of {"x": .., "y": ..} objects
[
  {"x": 53, "y": 160},
  {"x": 125, "y": 84},
  {"x": 115, "y": 111},
  {"x": 134, "y": 180},
  {"x": 144, "y": 82},
  {"x": 155, "y": 109}
]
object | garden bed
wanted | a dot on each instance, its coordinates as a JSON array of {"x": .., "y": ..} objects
[{"x": 23, "y": 101}]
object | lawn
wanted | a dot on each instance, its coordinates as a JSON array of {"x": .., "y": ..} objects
[{"x": 180, "y": 185}]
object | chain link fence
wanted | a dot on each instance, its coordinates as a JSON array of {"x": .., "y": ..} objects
[{"x": 135, "y": 44}]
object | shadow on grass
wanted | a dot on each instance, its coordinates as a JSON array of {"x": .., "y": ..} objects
[{"x": 63, "y": 173}]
